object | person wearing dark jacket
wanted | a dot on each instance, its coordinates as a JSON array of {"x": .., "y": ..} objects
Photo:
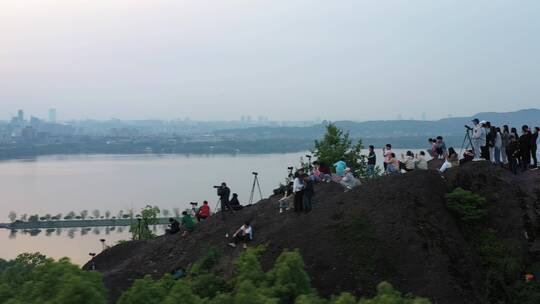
[
  {"x": 534, "y": 146},
  {"x": 371, "y": 161},
  {"x": 490, "y": 140},
  {"x": 525, "y": 141},
  {"x": 174, "y": 226},
  {"x": 235, "y": 203},
  {"x": 512, "y": 152},
  {"x": 309, "y": 190},
  {"x": 224, "y": 193}
]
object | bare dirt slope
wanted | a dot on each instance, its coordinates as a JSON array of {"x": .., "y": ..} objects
[{"x": 396, "y": 229}]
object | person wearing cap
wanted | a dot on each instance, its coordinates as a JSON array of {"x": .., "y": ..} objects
[{"x": 479, "y": 138}]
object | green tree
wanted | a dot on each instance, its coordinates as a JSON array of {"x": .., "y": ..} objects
[
  {"x": 337, "y": 144},
  {"x": 288, "y": 277},
  {"x": 140, "y": 229},
  {"x": 33, "y": 218},
  {"x": 387, "y": 294},
  {"x": 468, "y": 206},
  {"x": 247, "y": 267},
  {"x": 96, "y": 213},
  {"x": 33, "y": 279},
  {"x": 107, "y": 214},
  {"x": 181, "y": 293},
  {"x": 144, "y": 291}
]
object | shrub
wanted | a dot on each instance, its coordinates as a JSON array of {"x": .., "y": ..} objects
[{"x": 468, "y": 206}]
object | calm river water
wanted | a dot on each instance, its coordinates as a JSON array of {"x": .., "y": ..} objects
[{"x": 60, "y": 184}]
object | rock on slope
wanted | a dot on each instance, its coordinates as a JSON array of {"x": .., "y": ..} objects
[{"x": 394, "y": 229}]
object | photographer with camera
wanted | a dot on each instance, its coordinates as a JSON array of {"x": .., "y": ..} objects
[{"x": 224, "y": 193}]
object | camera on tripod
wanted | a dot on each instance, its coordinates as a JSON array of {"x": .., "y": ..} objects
[
  {"x": 468, "y": 128},
  {"x": 194, "y": 204},
  {"x": 254, "y": 173},
  {"x": 217, "y": 187}
]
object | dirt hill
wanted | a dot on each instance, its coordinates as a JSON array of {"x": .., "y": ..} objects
[{"x": 396, "y": 229}]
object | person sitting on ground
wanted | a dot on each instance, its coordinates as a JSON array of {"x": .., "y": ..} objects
[
  {"x": 340, "y": 166},
  {"x": 204, "y": 212},
  {"x": 420, "y": 161},
  {"x": 452, "y": 160},
  {"x": 392, "y": 164},
  {"x": 387, "y": 154},
  {"x": 235, "y": 203},
  {"x": 174, "y": 226},
  {"x": 407, "y": 162},
  {"x": 187, "y": 223},
  {"x": 349, "y": 181},
  {"x": 468, "y": 156},
  {"x": 326, "y": 173},
  {"x": 243, "y": 234}
]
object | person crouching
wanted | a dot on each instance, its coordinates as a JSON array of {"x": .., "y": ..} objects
[{"x": 244, "y": 234}]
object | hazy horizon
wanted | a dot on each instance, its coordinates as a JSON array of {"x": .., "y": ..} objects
[{"x": 286, "y": 60}]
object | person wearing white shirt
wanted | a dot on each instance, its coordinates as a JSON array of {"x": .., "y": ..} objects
[
  {"x": 421, "y": 162},
  {"x": 243, "y": 234},
  {"x": 298, "y": 190}
]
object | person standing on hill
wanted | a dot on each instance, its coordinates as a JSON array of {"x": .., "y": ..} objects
[
  {"x": 340, "y": 166},
  {"x": 490, "y": 141},
  {"x": 309, "y": 191},
  {"x": 387, "y": 153},
  {"x": 514, "y": 132},
  {"x": 371, "y": 161},
  {"x": 534, "y": 146},
  {"x": 513, "y": 154},
  {"x": 505, "y": 139},
  {"x": 498, "y": 146},
  {"x": 478, "y": 138},
  {"x": 525, "y": 143},
  {"x": 224, "y": 194},
  {"x": 441, "y": 147},
  {"x": 298, "y": 190}
]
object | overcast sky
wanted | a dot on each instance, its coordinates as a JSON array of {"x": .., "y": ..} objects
[{"x": 285, "y": 59}]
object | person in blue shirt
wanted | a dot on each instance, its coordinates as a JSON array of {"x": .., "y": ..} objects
[{"x": 340, "y": 167}]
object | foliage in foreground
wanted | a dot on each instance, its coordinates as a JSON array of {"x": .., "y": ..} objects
[
  {"x": 35, "y": 279},
  {"x": 286, "y": 282}
]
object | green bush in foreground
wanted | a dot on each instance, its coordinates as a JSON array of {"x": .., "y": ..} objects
[
  {"x": 286, "y": 282},
  {"x": 35, "y": 279}
]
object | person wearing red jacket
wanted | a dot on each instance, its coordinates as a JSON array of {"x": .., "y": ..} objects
[{"x": 204, "y": 212}]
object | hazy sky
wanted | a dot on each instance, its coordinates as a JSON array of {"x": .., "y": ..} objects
[{"x": 285, "y": 59}]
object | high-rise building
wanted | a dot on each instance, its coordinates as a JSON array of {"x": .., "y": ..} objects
[
  {"x": 52, "y": 115},
  {"x": 20, "y": 115}
]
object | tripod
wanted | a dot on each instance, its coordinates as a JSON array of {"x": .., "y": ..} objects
[
  {"x": 468, "y": 141},
  {"x": 255, "y": 182}
]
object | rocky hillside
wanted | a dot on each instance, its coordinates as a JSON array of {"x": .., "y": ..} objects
[{"x": 396, "y": 229}]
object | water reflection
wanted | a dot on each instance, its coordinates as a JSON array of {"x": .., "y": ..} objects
[{"x": 82, "y": 232}]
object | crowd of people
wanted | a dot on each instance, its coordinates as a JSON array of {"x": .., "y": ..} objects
[
  {"x": 501, "y": 146},
  {"x": 505, "y": 146}
]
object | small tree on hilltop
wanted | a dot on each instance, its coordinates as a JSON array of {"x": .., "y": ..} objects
[
  {"x": 139, "y": 229},
  {"x": 337, "y": 144},
  {"x": 96, "y": 213},
  {"x": 84, "y": 214}
]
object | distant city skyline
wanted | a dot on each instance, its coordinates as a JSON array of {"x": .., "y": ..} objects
[{"x": 287, "y": 60}]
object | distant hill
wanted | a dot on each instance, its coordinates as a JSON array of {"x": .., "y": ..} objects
[{"x": 380, "y": 129}]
